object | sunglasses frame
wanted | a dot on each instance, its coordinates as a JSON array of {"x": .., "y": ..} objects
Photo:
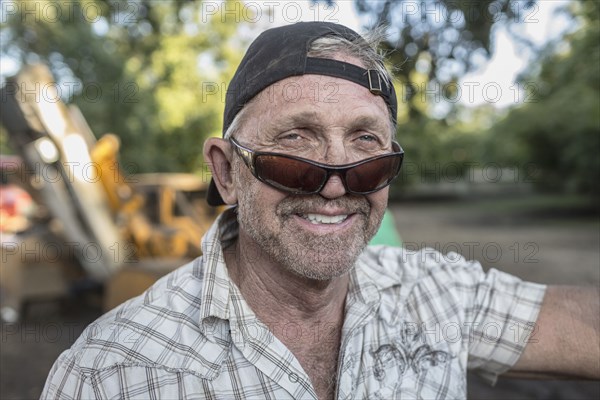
[{"x": 249, "y": 156}]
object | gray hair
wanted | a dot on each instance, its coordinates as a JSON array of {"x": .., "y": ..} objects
[{"x": 363, "y": 48}]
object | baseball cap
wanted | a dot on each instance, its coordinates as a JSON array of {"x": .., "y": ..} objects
[{"x": 282, "y": 52}]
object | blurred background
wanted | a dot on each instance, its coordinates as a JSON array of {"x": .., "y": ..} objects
[{"x": 106, "y": 104}]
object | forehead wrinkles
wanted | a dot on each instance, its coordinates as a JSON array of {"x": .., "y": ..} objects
[
  {"x": 318, "y": 89},
  {"x": 342, "y": 104}
]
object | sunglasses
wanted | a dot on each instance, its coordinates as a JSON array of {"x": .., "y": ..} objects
[{"x": 302, "y": 176}]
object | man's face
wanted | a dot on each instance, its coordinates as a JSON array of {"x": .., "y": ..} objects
[{"x": 324, "y": 119}]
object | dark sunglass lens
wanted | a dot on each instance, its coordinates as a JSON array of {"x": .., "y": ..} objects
[
  {"x": 372, "y": 175},
  {"x": 289, "y": 174}
]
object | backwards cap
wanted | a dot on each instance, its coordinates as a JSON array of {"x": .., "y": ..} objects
[{"x": 281, "y": 52}]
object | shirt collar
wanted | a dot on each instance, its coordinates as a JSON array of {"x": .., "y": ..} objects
[
  {"x": 216, "y": 283},
  {"x": 225, "y": 315}
]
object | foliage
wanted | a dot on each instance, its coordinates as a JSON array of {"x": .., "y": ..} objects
[
  {"x": 4, "y": 148},
  {"x": 431, "y": 45},
  {"x": 560, "y": 133},
  {"x": 134, "y": 68},
  {"x": 436, "y": 151},
  {"x": 554, "y": 140},
  {"x": 154, "y": 73},
  {"x": 435, "y": 42}
]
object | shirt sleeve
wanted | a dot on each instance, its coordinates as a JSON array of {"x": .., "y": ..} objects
[
  {"x": 502, "y": 320},
  {"x": 66, "y": 381}
]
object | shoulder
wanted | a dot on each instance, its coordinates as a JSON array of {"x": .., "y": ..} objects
[
  {"x": 410, "y": 276},
  {"x": 145, "y": 344},
  {"x": 398, "y": 265},
  {"x": 144, "y": 329}
]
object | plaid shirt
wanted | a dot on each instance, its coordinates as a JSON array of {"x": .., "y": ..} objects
[{"x": 414, "y": 323}]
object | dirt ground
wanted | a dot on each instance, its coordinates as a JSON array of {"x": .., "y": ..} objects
[
  {"x": 538, "y": 239},
  {"x": 552, "y": 243}
]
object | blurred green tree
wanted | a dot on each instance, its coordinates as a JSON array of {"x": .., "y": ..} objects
[
  {"x": 152, "y": 72},
  {"x": 430, "y": 45},
  {"x": 559, "y": 132}
]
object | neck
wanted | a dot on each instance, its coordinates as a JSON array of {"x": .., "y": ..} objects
[
  {"x": 306, "y": 315},
  {"x": 273, "y": 290}
]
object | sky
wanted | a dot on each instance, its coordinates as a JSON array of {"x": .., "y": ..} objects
[{"x": 540, "y": 25}]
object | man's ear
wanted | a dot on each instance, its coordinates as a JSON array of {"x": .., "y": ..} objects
[{"x": 218, "y": 155}]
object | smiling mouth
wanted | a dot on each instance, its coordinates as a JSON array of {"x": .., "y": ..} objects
[{"x": 317, "y": 219}]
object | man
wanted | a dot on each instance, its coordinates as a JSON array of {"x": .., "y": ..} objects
[{"x": 287, "y": 301}]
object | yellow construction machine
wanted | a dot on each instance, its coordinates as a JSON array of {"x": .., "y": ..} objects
[{"x": 93, "y": 223}]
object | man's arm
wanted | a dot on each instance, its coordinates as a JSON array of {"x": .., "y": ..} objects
[{"x": 566, "y": 341}]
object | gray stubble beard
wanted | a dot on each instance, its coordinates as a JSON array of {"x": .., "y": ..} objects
[{"x": 309, "y": 256}]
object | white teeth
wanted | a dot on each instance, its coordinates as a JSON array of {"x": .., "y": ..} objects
[{"x": 324, "y": 219}]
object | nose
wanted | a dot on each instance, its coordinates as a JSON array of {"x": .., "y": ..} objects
[
  {"x": 334, "y": 188},
  {"x": 335, "y": 154}
]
